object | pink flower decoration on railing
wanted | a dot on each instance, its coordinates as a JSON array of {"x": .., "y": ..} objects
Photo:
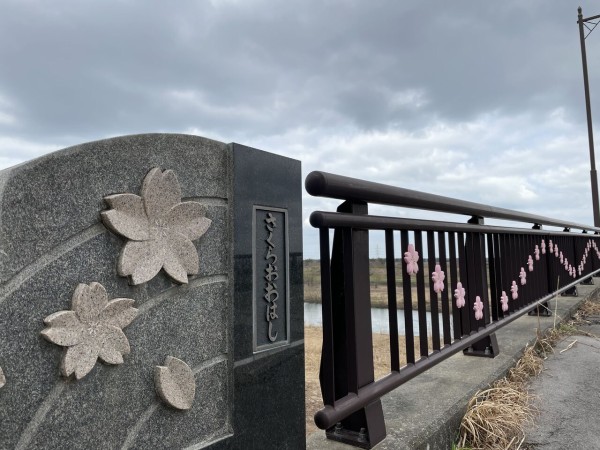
[
  {"x": 536, "y": 252},
  {"x": 584, "y": 259},
  {"x": 544, "y": 247},
  {"x": 562, "y": 260},
  {"x": 411, "y": 257},
  {"x": 504, "y": 301},
  {"x": 530, "y": 263},
  {"x": 523, "y": 277},
  {"x": 514, "y": 289},
  {"x": 556, "y": 250},
  {"x": 459, "y": 294},
  {"x": 478, "y": 307},
  {"x": 579, "y": 270},
  {"x": 566, "y": 264},
  {"x": 551, "y": 246},
  {"x": 438, "y": 278}
]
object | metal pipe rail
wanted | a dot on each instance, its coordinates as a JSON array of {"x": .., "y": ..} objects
[
  {"x": 471, "y": 268},
  {"x": 323, "y": 184}
]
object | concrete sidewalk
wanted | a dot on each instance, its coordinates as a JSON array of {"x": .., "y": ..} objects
[
  {"x": 425, "y": 413},
  {"x": 568, "y": 394}
]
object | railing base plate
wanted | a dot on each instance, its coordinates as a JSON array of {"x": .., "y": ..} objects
[
  {"x": 542, "y": 310},
  {"x": 356, "y": 439},
  {"x": 487, "y": 347},
  {"x": 570, "y": 292}
]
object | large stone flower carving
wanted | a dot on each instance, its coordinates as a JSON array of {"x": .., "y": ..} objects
[
  {"x": 160, "y": 228},
  {"x": 92, "y": 330}
]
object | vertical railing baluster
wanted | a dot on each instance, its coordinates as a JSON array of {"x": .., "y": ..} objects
[
  {"x": 447, "y": 287},
  {"x": 392, "y": 302},
  {"x": 422, "y": 306},
  {"x": 433, "y": 297},
  {"x": 451, "y": 287},
  {"x": 408, "y": 309},
  {"x": 465, "y": 321},
  {"x": 326, "y": 372},
  {"x": 494, "y": 276}
]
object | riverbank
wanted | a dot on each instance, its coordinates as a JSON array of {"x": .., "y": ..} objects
[{"x": 378, "y": 284}]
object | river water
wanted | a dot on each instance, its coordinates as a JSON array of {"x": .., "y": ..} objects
[{"x": 379, "y": 319}]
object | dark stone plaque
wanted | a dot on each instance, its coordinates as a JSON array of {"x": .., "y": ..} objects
[{"x": 270, "y": 267}]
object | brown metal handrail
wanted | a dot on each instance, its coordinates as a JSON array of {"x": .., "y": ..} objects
[{"x": 483, "y": 259}]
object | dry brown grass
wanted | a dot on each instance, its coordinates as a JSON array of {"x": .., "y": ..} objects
[
  {"x": 496, "y": 417},
  {"x": 313, "y": 340}
]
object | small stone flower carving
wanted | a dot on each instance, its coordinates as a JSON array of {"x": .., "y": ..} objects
[
  {"x": 544, "y": 247},
  {"x": 478, "y": 307},
  {"x": 411, "y": 257},
  {"x": 536, "y": 252},
  {"x": 523, "y": 277},
  {"x": 175, "y": 383},
  {"x": 438, "y": 278},
  {"x": 530, "y": 263},
  {"x": 459, "y": 294},
  {"x": 504, "y": 301},
  {"x": 514, "y": 289},
  {"x": 92, "y": 330},
  {"x": 160, "y": 228}
]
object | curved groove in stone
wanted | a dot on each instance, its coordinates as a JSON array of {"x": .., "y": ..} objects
[
  {"x": 135, "y": 430},
  {"x": 31, "y": 269},
  {"x": 40, "y": 415},
  {"x": 156, "y": 300},
  {"x": 207, "y": 201},
  {"x": 215, "y": 437}
]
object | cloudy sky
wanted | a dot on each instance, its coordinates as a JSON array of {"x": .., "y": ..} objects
[{"x": 477, "y": 100}]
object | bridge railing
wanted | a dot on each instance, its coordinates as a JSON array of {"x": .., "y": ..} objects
[{"x": 480, "y": 278}]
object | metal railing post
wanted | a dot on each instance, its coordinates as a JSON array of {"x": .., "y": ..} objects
[{"x": 353, "y": 340}]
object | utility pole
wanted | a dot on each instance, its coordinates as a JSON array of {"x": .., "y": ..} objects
[{"x": 593, "y": 175}]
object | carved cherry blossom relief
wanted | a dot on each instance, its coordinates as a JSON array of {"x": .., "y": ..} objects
[
  {"x": 459, "y": 294},
  {"x": 478, "y": 307},
  {"x": 160, "y": 228},
  {"x": 438, "y": 278},
  {"x": 411, "y": 258},
  {"x": 175, "y": 383},
  {"x": 2, "y": 378},
  {"x": 504, "y": 301},
  {"x": 91, "y": 330}
]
